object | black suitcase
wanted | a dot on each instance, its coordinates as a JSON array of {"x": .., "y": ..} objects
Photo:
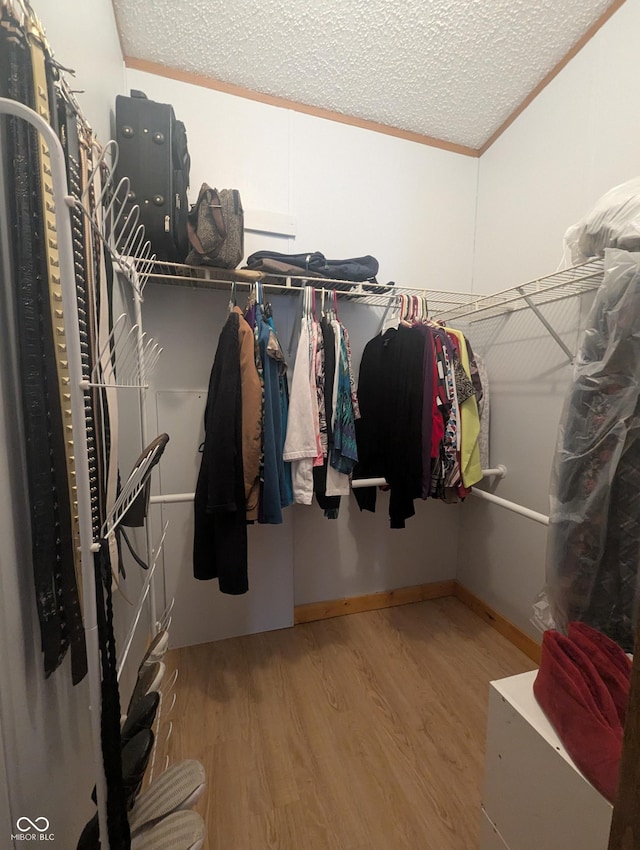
[{"x": 155, "y": 158}]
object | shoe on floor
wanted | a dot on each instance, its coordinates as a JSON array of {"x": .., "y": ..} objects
[
  {"x": 178, "y": 831},
  {"x": 178, "y": 788}
]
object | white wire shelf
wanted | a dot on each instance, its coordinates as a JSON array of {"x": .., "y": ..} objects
[
  {"x": 443, "y": 305},
  {"x": 373, "y": 294},
  {"x": 545, "y": 290}
]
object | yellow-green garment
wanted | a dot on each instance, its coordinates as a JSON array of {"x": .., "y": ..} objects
[{"x": 470, "y": 466}]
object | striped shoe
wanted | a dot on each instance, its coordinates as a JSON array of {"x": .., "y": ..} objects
[
  {"x": 178, "y": 831},
  {"x": 178, "y": 788}
]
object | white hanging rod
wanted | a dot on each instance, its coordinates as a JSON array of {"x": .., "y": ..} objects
[
  {"x": 499, "y": 472},
  {"x": 511, "y": 506},
  {"x": 170, "y": 498}
]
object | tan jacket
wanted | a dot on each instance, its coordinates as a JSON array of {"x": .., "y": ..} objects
[{"x": 251, "y": 416}]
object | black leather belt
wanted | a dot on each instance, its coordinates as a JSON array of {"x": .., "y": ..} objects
[
  {"x": 24, "y": 211},
  {"x": 56, "y": 367},
  {"x": 68, "y": 124},
  {"x": 30, "y": 206}
]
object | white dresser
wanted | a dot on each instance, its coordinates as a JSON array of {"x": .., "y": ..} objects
[{"x": 534, "y": 796}]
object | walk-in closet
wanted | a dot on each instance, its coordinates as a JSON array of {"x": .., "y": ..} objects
[{"x": 319, "y": 393}]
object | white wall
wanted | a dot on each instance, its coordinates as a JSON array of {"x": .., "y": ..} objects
[
  {"x": 575, "y": 141},
  {"x": 306, "y": 559},
  {"x": 359, "y": 553},
  {"x": 83, "y": 36},
  {"x": 572, "y": 143},
  {"x": 351, "y": 192},
  {"x": 502, "y": 555},
  {"x": 45, "y": 723}
]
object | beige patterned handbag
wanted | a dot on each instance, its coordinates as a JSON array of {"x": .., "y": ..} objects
[{"x": 216, "y": 228}]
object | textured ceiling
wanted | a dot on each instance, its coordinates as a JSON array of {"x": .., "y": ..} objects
[{"x": 451, "y": 69}]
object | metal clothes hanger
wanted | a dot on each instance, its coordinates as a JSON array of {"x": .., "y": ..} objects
[
  {"x": 233, "y": 299},
  {"x": 267, "y": 310},
  {"x": 395, "y": 315},
  {"x": 405, "y": 305}
]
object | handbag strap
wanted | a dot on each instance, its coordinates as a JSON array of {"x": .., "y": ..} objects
[
  {"x": 207, "y": 196},
  {"x": 216, "y": 212}
]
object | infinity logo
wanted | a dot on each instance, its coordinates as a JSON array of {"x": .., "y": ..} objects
[{"x": 30, "y": 824}]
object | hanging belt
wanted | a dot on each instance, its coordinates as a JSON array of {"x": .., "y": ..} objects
[
  {"x": 56, "y": 367},
  {"x": 70, "y": 142},
  {"x": 108, "y": 395},
  {"x": 104, "y": 398},
  {"x": 25, "y": 215}
]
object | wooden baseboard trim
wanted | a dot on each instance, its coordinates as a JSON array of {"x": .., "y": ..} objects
[
  {"x": 505, "y": 627},
  {"x": 419, "y": 593},
  {"x": 371, "y": 601}
]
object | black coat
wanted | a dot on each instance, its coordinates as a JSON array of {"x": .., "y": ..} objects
[
  {"x": 389, "y": 433},
  {"x": 220, "y": 539}
]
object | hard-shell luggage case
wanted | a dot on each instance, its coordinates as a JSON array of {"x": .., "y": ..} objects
[{"x": 154, "y": 156}]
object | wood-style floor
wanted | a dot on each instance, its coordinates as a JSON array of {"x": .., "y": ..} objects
[{"x": 364, "y": 732}]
